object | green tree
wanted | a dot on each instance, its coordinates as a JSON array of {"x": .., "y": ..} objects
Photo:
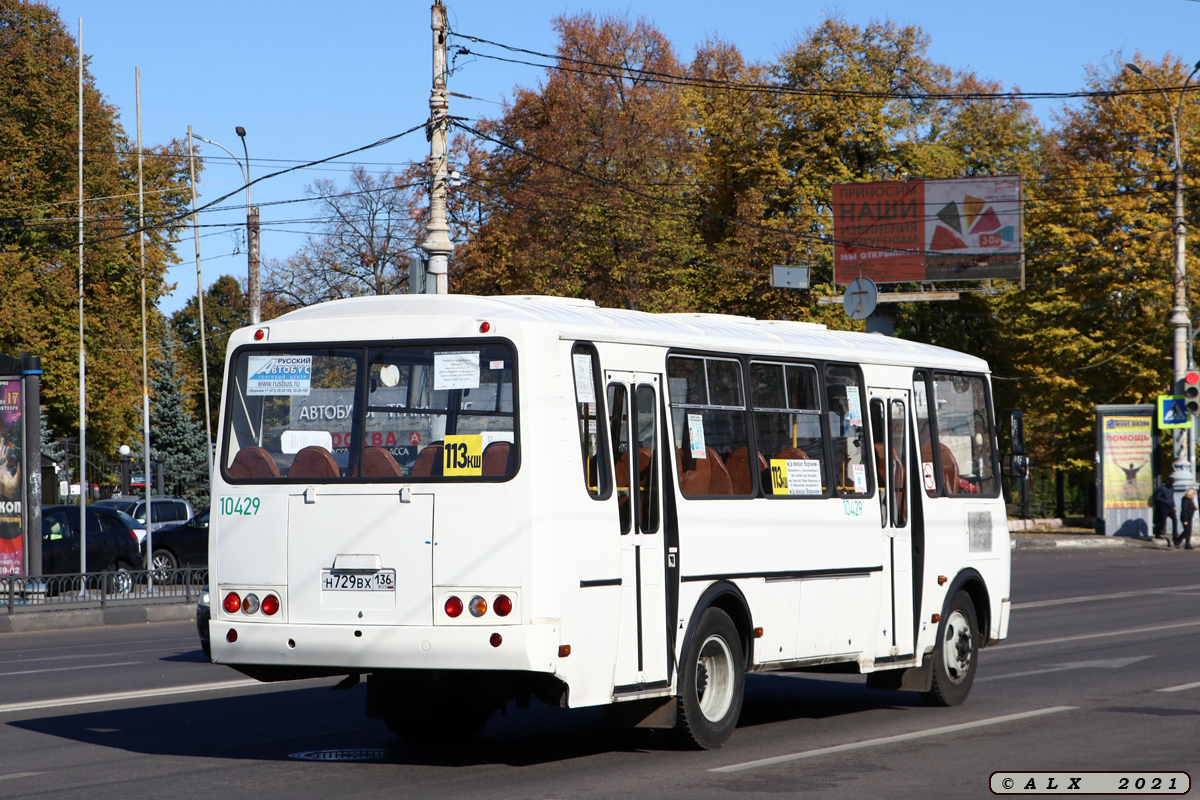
[
  {"x": 177, "y": 438},
  {"x": 38, "y": 254}
]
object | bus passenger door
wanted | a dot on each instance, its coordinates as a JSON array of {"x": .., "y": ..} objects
[
  {"x": 889, "y": 433},
  {"x": 633, "y": 407}
]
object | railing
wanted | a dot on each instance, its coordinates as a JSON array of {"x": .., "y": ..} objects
[{"x": 100, "y": 589}]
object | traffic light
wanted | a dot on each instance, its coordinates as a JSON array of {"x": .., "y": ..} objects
[{"x": 1191, "y": 391}]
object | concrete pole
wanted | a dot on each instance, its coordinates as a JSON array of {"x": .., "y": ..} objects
[
  {"x": 145, "y": 354},
  {"x": 82, "y": 352},
  {"x": 437, "y": 242},
  {"x": 208, "y": 447}
]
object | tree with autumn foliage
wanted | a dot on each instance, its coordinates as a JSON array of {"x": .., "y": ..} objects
[{"x": 38, "y": 251}]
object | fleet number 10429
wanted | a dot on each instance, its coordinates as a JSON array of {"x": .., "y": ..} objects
[{"x": 239, "y": 506}]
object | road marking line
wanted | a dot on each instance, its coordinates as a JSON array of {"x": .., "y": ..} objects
[
  {"x": 18, "y": 775},
  {"x": 37, "y": 705},
  {"x": 68, "y": 669},
  {"x": 1181, "y": 688},
  {"x": 1125, "y": 632},
  {"x": 903, "y": 737},
  {"x": 1114, "y": 596}
]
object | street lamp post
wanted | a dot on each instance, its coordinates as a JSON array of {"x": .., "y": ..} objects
[
  {"x": 1184, "y": 472},
  {"x": 253, "y": 290}
]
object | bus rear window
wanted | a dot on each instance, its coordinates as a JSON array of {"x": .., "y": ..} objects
[{"x": 371, "y": 413}]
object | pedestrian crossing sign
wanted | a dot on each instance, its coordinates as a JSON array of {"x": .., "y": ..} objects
[{"x": 1172, "y": 412}]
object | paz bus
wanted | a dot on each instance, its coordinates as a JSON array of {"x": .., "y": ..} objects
[{"x": 480, "y": 500}]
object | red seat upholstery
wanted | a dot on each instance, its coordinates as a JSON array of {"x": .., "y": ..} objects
[
  {"x": 429, "y": 461},
  {"x": 253, "y": 462},
  {"x": 497, "y": 458},
  {"x": 314, "y": 461},
  {"x": 705, "y": 476},
  {"x": 738, "y": 466},
  {"x": 378, "y": 463}
]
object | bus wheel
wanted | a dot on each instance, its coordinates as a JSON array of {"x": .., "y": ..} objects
[
  {"x": 955, "y": 655},
  {"x": 710, "y": 683}
]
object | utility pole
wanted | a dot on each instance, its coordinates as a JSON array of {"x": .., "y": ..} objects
[
  {"x": 253, "y": 283},
  {"x": 437, "y": 242}
]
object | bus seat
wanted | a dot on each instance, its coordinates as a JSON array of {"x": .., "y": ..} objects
[
  {"x": 738, "y": 465},
  {"x": 695, "y": 478},
  {"x": 498, "y": 458},
  {"x": 314, "y": 461},
  {"x": 720, "y": 482},
  {"x": 253, "y": 462},
  {"x": 378, "y": 463},
  {"x": 429, "y": 461},
  {"x": 793, "y": 453},
  {"x": 623, "y": 470}
]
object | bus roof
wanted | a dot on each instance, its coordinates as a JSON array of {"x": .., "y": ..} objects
[{"x": 573, "y": 319}]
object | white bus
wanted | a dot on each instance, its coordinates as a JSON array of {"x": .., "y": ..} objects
[{"x": 476, "y": 500}]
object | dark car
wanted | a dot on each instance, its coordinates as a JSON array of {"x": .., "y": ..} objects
[
  {"x": 112, "y": 543},
  {"x": 181, "y": 546}
]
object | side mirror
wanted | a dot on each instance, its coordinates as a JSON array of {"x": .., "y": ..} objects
[{"x": 1016, "y": 429}]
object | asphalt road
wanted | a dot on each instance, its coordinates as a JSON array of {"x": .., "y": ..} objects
[{"x": 1101, "y": 672}]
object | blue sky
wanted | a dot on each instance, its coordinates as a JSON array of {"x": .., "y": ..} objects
[{"x": 310, "y": 79}]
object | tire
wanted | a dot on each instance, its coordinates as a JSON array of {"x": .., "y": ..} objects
[
  {"x": 711, "y": 682},
  {"x": 955, "y": 655},
  {"x": 165, "y": 566},
  {"x": 119, "y": 579}
]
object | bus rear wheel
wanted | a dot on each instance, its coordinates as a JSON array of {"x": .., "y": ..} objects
[
  {"x": 956, "y": 654},
  {"x": 711, "y": 681}
]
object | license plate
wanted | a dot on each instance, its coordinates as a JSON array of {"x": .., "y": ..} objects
[{"x": 382, "y": 581}]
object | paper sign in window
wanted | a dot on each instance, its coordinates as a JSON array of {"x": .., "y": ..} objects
[
  {"x": 463, "y": 455},
  {"x": 456, "y": 370},
  {"x": 796, "y": 476},
  {"x": 860, "y": 479},
  {"x": 853, "y": 408},
  {"x": 696, "y": 435},
  {"x": 292, "y": 442},
  {"x": 585, "y": 384}
]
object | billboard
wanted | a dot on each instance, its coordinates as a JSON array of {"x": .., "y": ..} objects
[
  {"x": 1126, "y": 466},
  {"x": 12, "y": 545},
  {"x": 957, "y": 229}
]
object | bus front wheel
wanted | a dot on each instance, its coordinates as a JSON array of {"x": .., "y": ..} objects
[
  {"x": 710, "y": 683},
  {"x": 955, "y": 655}
]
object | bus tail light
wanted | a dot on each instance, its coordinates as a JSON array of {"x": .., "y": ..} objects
[
  {"x": 496, "y": 640},
  {"x": 231, "y": 636},
  {"x": 250, "y": 604},
  {"x": 502, "y": 605},
  {"x": 454, "y": 606},
  {"x": 270, "y": 605},
  {"x": 478, "y": 606},
  {"x": 232, "y": 603}
]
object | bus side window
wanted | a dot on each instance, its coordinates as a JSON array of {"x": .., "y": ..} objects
[
  {"x": 927, "y": 452},
  {"x": 585, "y": 368},
  {"x": 618, "y": 434},
  {"x": 844, "y": 398},
  {"x": 708, "y": 412},
  {"x": 787, "y": 422},
  {"x": 964, "y": 428}
]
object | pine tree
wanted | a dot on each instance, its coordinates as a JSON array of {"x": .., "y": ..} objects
[{"x": 176, "y": 437}]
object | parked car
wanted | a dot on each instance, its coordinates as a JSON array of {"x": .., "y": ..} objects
[
  {"x": 183, "y": 545},
  {"x": 203, "y": 613},
  {"x": 166, "y": 510},
  {"x": 112, "y": 544}
]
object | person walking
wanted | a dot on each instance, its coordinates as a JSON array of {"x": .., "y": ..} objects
[
  {"x": 1164, "y": 509},
  {"x": 1187, "y": 509}
]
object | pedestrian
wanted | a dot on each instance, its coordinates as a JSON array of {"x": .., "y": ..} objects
[
  {"x": 1187, "y": 510},
  {"x": 1164, "y": 509}
]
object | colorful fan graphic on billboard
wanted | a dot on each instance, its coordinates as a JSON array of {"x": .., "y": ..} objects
[{"x": 957, "y": 229}]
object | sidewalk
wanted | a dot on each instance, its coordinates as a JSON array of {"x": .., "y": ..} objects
[
  {"x": 1031, "y": 533},
  {"x": 63, "y": 619}
]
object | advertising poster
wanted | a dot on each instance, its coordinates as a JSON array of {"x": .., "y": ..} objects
[
  {"x": 957, "y": 229},
  {"x": 11, "y": 485},
  {"x": 1128, "y": 448}
]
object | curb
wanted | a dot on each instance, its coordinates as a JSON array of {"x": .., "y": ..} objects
[{"x": 30, "y": 621}]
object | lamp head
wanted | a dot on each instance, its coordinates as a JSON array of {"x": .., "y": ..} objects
[
  {"x": 124, "y": 450},
  {"x": 1135, "y": 69},
  {"x": 240, "y": 131}
]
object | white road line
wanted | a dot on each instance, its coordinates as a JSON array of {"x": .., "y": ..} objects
[
  {"x": 1113, "y": 596},
  {"x": 68, "y": 669},
  {"x": 37, "y": 705},
  {"x": 1126, "y": 632},
  {"x": 1181, "y": 688},
  {"x": 903, "y": 737},
  {"x": 18, "y": 775}
]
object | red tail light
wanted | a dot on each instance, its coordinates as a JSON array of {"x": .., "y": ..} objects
[
  {"x": 131, "y": 532},
  {"x": 502, "y": 605},
  {"x": 232, "y": 603},
  {"x": 270, "y": 605},
  {"x": 454, "y": 607}
]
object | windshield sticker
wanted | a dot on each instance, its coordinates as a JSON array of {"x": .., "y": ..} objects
[
  {"x": 696, "y": 435},
  {"x": 927, "y": 473},
  {"x": 456, "y": 370},
  {"x": 860, "y": 479},
  {"x": 585, "y": 383},
  {"x": 279, "y": 375}
]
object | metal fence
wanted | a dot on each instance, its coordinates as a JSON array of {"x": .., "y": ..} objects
[{"x": 101, "y": 589}]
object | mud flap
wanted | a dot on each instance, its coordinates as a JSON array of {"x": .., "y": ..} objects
[
  {"x": 653, "y": 712},
  {"x": 913, "y": 679}
]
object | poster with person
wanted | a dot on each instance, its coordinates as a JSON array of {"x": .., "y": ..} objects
[{"x": 11, "y": 486}]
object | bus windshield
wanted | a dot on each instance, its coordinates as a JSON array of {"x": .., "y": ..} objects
[{"x": 441, "y": 411}]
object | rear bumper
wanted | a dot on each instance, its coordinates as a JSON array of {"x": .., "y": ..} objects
[{"x": 531, "y": 647}]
